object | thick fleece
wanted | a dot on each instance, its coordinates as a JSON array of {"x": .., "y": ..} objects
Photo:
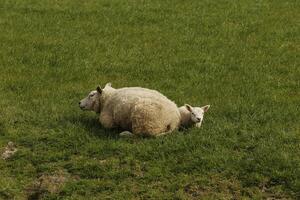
[{"x": 139, "y": 110}]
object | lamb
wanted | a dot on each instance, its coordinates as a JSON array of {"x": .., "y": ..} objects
[
  {"x": 139, "y": 110},
  {"x": 192, "y": 116}
]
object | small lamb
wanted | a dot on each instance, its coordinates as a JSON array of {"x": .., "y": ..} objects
[{"x": 192, "y": 116}]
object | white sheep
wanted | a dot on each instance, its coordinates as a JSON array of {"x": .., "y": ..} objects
[
  {"x": 192, "y": 116},
  {"x": 139, "y": 110}
]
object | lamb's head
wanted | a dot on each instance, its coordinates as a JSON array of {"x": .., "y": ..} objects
[
  {"x": 92, "y": 101},
  {"x": 197, "y": 113}
]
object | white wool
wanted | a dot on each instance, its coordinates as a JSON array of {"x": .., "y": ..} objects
[
  {"x": 185, "y": 117},
  {"x": 140, "y": 110},
  {"x": 192, "y": 116}
]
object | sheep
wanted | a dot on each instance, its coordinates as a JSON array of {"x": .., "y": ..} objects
[
  {"x": 192, "y": 116},
  {"x": 138, "y": 110}
]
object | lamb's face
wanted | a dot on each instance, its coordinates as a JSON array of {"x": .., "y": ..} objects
[
  {"x": 92, "y": 101},
  {"x": 197, "y": 113}
]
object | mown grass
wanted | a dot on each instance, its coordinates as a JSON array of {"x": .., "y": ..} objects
[{"x": 242, "y": 57}]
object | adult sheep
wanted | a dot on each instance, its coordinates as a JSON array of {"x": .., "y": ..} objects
[{"x": 139, "y": 110}]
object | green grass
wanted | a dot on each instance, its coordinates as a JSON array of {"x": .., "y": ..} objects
[{"x": 240, "y": 56}]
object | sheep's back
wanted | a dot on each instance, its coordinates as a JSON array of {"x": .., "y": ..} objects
[{"x": 125, "y": 100}]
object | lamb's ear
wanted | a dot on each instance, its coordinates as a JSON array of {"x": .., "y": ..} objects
[
  {"x": 99, "y": 90},
  {"x": 188, "y": 107},
  {"x": 205, "y": 108},
  {"x": 108, "y": 84}
]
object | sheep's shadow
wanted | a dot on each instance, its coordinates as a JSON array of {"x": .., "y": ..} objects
[
  {"x": 92, "y": 125},
  {"x": 2, "y": 129}
]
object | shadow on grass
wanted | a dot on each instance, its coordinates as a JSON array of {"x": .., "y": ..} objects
[
  {"x": 2, "y": 129},
  {"x": 93, "y": 127}
]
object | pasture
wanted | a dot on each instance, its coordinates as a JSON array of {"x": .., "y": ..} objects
[{"x": 239, "y": 56}]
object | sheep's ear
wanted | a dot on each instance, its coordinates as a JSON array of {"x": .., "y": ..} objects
[
  {"x": 205, "y": 108},
  {"x": 188, "y": 107},
  {"x": 99, "y": 90},
  {"x": 108, "y": 84}
]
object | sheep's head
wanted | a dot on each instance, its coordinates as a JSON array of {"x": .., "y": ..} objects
[
  {"x": 197, "y": 113},
  {"x": 92, "y": 101}
]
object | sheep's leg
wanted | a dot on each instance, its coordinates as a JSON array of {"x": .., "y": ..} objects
[
  {"x": 162, "y": 134},
  {"x": 126, "y": 134},
  {"x": 106, "y": 120}
]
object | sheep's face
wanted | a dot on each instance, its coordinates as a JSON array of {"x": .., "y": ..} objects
[
  {"x": 197, "y": 113},
  {"x": 92, "y": 101}
]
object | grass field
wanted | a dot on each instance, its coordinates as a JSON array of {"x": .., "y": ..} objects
[{"x": 240, "y": 56}]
